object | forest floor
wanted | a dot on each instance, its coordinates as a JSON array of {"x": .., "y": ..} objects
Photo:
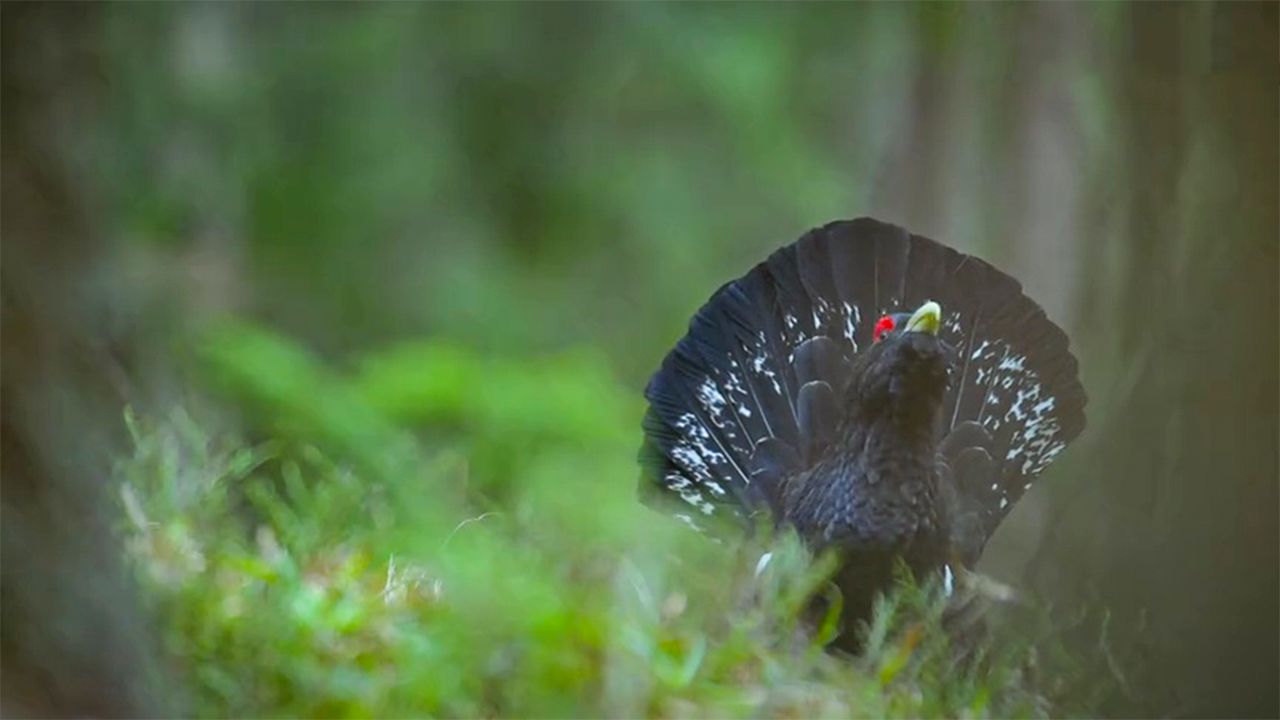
[{"x": 495, "y": 562}]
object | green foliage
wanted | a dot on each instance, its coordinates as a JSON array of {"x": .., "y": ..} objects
[
  {"x": 513, "y": 179},
  {"x": 496, "y": 565}
]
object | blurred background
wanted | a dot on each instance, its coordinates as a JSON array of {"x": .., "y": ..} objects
[{"x": 460, "y": 237}]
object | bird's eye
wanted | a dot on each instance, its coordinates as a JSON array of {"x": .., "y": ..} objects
[{"x": 883, "y": 326}]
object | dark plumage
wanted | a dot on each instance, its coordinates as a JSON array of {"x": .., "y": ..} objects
[{"x": 801, "y": 392}]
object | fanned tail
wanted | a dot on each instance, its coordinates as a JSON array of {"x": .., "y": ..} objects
[{"x": 749, "y": 394}]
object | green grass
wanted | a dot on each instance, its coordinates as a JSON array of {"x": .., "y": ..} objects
[{"x": 460, "y": 556}]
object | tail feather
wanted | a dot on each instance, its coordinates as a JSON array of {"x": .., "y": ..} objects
[
  {"x": 821, "y": 358},
  {"x": 760, "y": 408},
  {"x": 794, "y": 307},
  {"x": 867, "y": 259},
  {"x": 736, "y": 380},
  {"x": 763, "y": 342}
]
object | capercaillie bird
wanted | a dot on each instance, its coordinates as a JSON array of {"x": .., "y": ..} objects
[{"x": 884, "y": 395}]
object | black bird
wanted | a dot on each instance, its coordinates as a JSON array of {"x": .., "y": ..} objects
[{"x": 882, "y": 394}]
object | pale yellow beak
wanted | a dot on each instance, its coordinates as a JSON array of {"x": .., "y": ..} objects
[{"x": 926, "y": 319}]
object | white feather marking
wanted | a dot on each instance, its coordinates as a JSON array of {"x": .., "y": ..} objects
[
  {"x": 850, "y": 323},
  {"x": 1013, "y": 362},
  {"x": 733, "y": 383},
  {"x": 710, "y": 397}
]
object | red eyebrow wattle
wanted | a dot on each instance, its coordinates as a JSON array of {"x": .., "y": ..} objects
[{"x": 883, "y": 325}]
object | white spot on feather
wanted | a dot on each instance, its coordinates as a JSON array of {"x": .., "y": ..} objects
[
  {"x": 1013, "y": 362},
  {"x": 710, "y": 397},
  {"x": 773, "y": 378},
  {"x": 733, "y": 383}
]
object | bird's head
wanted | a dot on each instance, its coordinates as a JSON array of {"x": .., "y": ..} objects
[{"x": 904, "y": 372}]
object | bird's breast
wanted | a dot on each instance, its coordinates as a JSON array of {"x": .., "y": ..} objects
[{"x": 865, "y": 501}]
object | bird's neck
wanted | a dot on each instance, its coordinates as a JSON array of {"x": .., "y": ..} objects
[{"x": 895, "y": 431}]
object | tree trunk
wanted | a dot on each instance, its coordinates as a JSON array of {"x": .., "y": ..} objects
[{"x": 73, "y": 639}]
